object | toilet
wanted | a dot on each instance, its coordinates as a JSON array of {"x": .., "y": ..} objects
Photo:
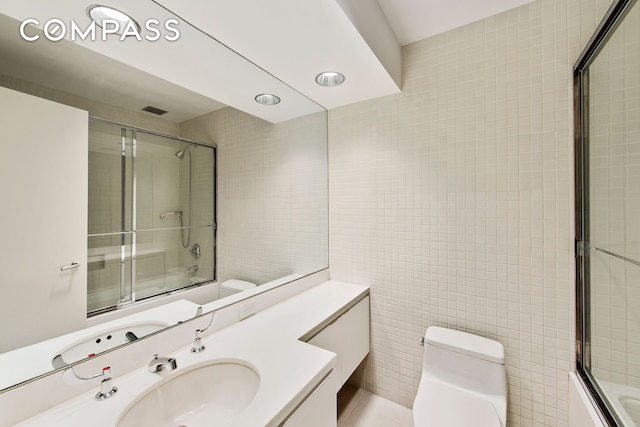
[
  {"x": 233, "y": 286},
  {"x": 463, "y": 382}
]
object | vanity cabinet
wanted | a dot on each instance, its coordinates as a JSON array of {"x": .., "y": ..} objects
[
  {"x": 320, "y": 408},
  {"x": 43, "y": 188},
  {"x": 348, "y": 337}
]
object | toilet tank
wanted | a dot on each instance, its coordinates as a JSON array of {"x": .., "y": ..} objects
[
  {"x": 465, "y": 360},
  {"x": 233, "y": 286}
]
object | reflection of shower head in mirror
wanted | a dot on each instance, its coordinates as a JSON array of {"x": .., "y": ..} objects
[
  {"x": 179, "y": 213},
  {"x": 180, "y": 153}
]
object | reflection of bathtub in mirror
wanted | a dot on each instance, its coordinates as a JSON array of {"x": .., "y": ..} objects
[
  {"x": 175, "y": 279},
  {"x": 104, "y": 265},
  {"x": 28, "y": 362}
]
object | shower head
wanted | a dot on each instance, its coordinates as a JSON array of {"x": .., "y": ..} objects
[{"x": 180, "y": 153}]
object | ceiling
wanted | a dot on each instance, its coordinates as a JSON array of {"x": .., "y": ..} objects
[
  {"x": 290, "y": 40},
  {"x": 413, "y": 20},
  {"x": 94, "y": 76}
]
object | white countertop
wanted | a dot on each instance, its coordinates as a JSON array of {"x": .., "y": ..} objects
[{"x": 269, "y": 341}]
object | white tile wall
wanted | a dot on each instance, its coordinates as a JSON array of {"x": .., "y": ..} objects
[
  {"x": 272, "y": 193},
  {"x": 453, "y": 200}
]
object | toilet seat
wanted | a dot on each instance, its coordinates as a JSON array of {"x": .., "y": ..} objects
[{"x": 445, "y": 405}]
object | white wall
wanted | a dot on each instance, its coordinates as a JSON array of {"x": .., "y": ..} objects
[
  {"x": 454, "y": 201},
  {"x": 43, "y": 188}
]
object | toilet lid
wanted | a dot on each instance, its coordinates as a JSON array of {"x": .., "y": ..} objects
[
  {"x": 237, "y": 285},
  {"x": 439, "y": 405}
]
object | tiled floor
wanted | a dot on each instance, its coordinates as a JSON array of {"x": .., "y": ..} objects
[{"x": 360, "y": 408}]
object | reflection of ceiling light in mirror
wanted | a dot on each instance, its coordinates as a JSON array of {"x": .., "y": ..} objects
[
  {"x": 100, "y": 13},
  {"x": 267, "y": 99},
  {"x": 330, "y": 79}
]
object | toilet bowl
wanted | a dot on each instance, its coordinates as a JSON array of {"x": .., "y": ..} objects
[
  {"x": 463, "y": 382},
  {"x": 233, "y": 286}
]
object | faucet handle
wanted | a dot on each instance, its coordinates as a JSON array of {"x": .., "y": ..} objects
[
  {"x": 197, "y": 343},
  {"x": 106, "y": 388}
]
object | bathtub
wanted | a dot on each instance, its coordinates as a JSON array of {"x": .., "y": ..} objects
[
  {"x": 625, "y": 400},
  {"x": 175, "y": 280}
]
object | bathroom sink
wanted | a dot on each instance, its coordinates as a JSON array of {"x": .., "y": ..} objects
[
  {"x": 212, "y": 394},
  {"x": 90, "y": 346}
]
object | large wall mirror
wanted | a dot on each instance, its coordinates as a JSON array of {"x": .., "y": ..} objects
[{"x": 258, "y": 184}]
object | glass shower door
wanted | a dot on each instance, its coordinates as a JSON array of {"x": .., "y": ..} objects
[
  {"x": 151, "y": 215},
  {"x": 609, "y": 218},
  {"x": 175, "y": 214},
  {"x": 110, "y": 222}
]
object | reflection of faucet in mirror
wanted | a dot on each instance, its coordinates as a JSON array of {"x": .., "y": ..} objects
[{"x": 196, "y": 251}]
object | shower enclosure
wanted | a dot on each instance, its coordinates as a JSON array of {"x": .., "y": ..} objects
[
  {"x": 151, "y": 215},
  {"x": 607, "y": 88}
]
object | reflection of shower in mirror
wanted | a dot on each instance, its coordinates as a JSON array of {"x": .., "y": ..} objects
[
  {"x": 180, "y": 154},
  {"x": 164, "y": 215},
  {"x": 179, "y": 214}
]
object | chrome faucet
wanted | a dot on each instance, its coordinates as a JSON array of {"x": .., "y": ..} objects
[
  {"x": 197, "y": 343},
  {"x": 106, "y": 387},
  {"x": 157, "y": 364},
  {"x": 192, "y": 269},
  {"x": 198, "y": 346}
]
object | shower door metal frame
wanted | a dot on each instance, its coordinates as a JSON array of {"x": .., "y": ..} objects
[
  {"x": 122, "y": 300},
  {"x": 607, "y": 27}
]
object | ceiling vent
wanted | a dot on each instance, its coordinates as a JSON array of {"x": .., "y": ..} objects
[{"x": 154, "y": 110}]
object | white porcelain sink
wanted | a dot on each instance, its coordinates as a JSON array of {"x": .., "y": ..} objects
[
  {"x": 210, "y": 395},
  {"x": 97, "y": 343}
]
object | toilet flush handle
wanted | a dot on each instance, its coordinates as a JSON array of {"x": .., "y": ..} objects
[{"x": 422, "y": 341}]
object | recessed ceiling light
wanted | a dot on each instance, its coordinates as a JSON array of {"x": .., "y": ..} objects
[
  {"x": 101, "y": 13},
  {"x": 330, "y": 79},
  {"x": 267, "y": 99}
]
